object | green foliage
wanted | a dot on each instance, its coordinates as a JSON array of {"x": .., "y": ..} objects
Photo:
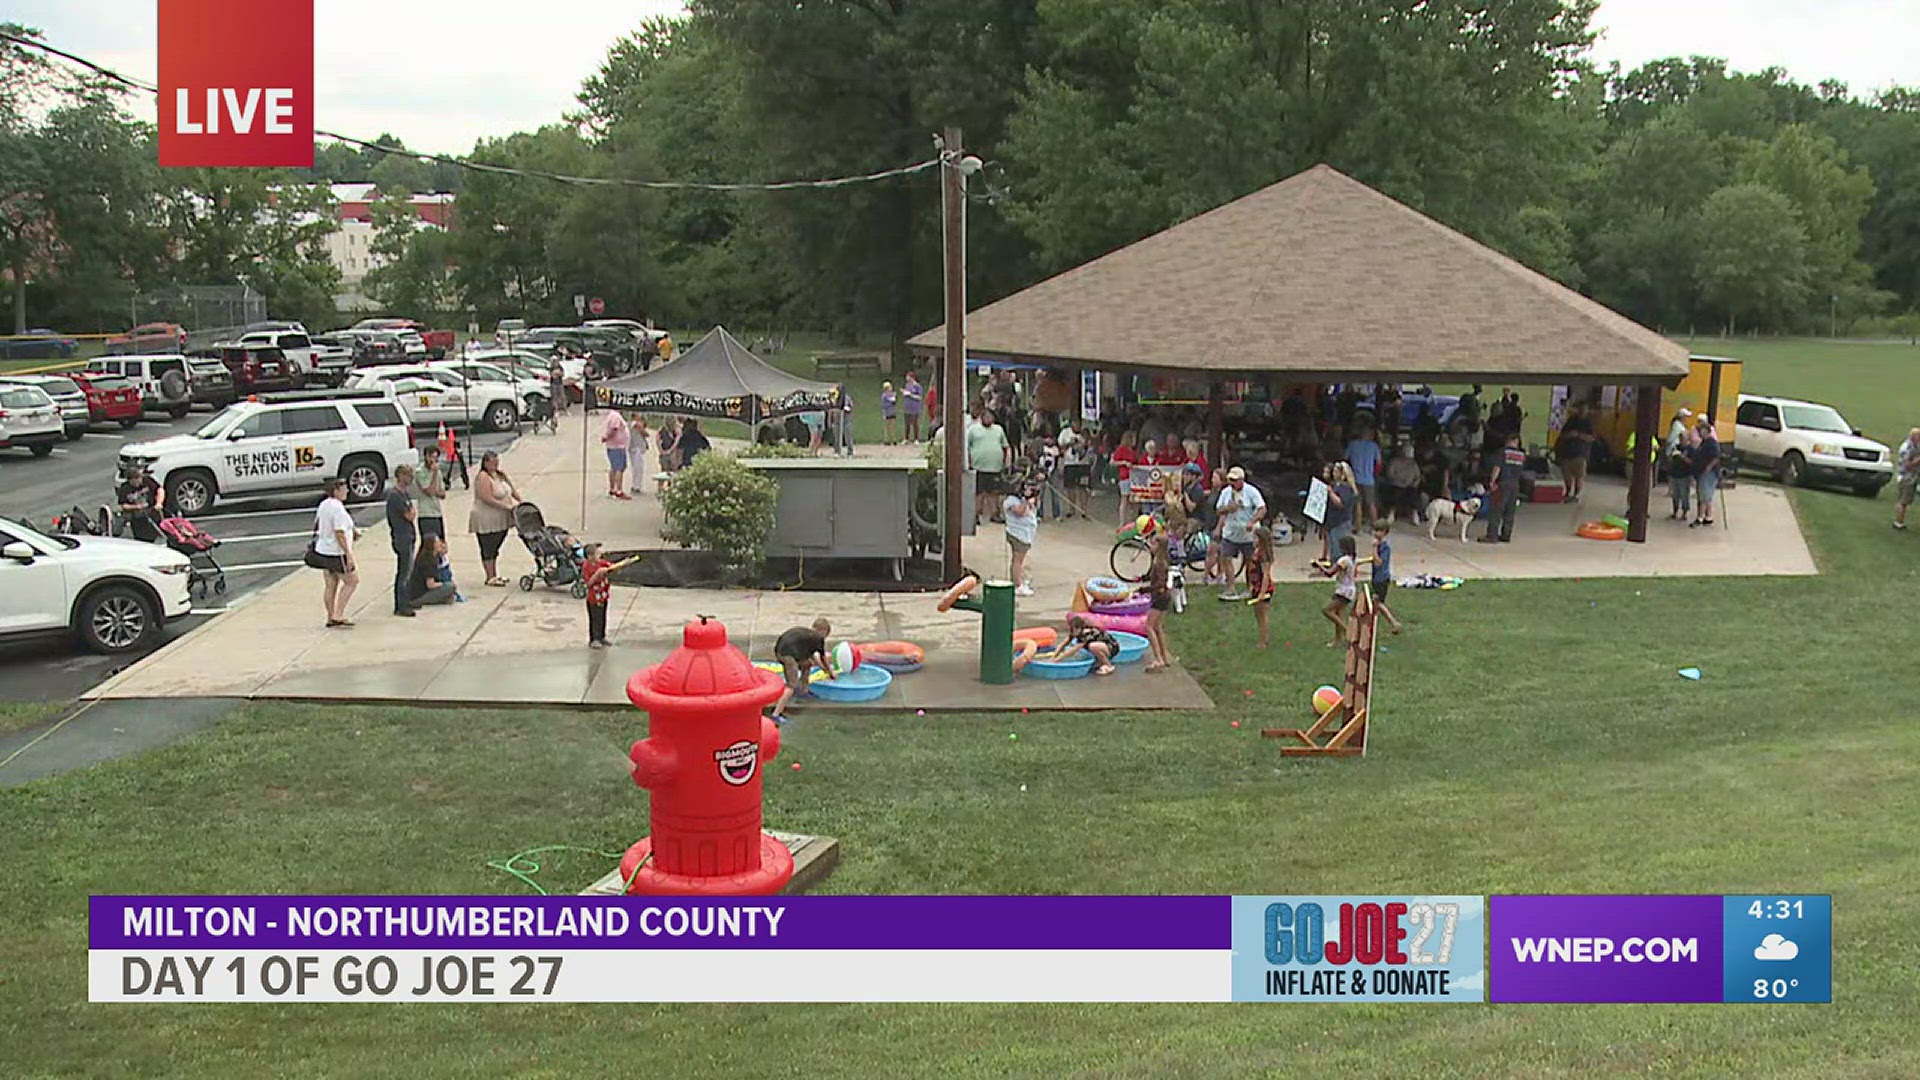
[
  {"x": 415, "y": 274},
  {"x": 775, "y": 450},
  {"x": 720, "y": 506},
  {"x": 1752, "y": 263}
]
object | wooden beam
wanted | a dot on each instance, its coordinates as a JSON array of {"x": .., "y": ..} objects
[{"x": 1646, "y": 448}]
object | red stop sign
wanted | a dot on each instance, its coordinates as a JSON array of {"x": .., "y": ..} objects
[{"x": 596, "y": 305}]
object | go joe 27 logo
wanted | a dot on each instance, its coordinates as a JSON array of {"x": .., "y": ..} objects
[
  {"x": 236, "y": 83},
  {"x": 1359, "y": 948}
]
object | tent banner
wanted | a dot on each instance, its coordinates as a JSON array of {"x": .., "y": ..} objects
[{"x": 680, "y": 403}]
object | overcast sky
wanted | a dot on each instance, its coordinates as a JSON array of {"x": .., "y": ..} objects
[{"x": 441, "y": 74}]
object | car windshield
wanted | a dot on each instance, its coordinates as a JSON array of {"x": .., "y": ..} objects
[
  {"x": 57, "y": 385},
  {"x": 24, "y": 531},
  {"x": 219, "y": 423},
  {"x": 1815, "y": 418}
]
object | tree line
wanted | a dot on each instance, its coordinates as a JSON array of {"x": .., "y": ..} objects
[{"x": 1688, "y": 196}]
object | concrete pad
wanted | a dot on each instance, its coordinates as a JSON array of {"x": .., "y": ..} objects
[
  {"x": 99, "y": 731},
  {"x": 399, "y": 681},
  {"x": 814, "y": 857},
  {"x": 557, "y": 677}
]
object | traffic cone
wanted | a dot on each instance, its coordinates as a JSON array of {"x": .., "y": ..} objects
[{"x": 446, "y": 442}]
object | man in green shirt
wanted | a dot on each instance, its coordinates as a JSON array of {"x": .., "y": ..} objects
[
  {"x": 427, "y": 492},
  {"x": 987, "y": 454}
]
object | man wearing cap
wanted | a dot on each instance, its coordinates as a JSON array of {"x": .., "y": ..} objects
[
  {"x": 1677, "y": 430},
  {"x": 1241, "y": 508},
  {"x": 140, "y": 500}
]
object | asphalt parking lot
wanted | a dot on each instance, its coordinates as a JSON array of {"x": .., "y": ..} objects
[{"x": 262, "y": 539}]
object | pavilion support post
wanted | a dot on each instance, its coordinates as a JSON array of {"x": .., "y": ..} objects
[
  {"x": 1216, "y": 426},
  {"x": 953, "y": 376},
  {"x": 1646, "y": 445}
]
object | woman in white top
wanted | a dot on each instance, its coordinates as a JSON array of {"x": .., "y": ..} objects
[{"x": 333, "y": 534}]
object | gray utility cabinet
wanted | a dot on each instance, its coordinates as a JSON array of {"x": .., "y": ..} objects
[{"x": 840, "y": 508}]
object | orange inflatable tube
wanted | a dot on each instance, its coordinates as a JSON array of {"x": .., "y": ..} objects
[
  {"x": 904, "y": 652},
  {"x": 1600, "y": 530},
  {"x": 1043, "y": 636},
  {"x": 1025, "y": 649},
  {"x": 960, "y": 589}
]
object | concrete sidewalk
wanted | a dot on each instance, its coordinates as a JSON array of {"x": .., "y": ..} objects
[{"x": 506, "y": 645}]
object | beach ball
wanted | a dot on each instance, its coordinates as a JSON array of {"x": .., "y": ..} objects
[
  {"x": 1325, "y": 700},
  {"x": 846, "y": 657},
  {"x": 1145, "y": 524}
]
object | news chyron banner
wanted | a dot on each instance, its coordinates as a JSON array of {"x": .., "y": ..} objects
[{"x": 960, "y": 949}]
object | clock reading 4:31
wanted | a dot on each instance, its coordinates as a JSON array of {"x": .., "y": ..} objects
[{"x": 1777, "y": 909}]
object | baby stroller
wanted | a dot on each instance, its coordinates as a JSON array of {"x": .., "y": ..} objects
[
  {"x": 77, "y": 522},
  {"x": 197, "y": 545},
  {"x": 557, "y": 558}
]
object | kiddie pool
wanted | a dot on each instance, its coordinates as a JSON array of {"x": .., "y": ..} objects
[
  {"x": 1132, "y": 646},
  {"x": 1073, "y": 667},
  {"x": 864, "y": 683}
]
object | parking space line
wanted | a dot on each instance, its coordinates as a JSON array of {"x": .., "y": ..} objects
[
  {"x": 266, "y": 536},
  {"x": 233, "y": 569}
]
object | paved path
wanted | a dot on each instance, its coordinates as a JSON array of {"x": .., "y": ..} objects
[{"x": 96, "y": 731}]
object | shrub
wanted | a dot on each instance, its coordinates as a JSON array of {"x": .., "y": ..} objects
[
  {"x": 776, "y": 450},
  {"x": 720, "y": 506}
]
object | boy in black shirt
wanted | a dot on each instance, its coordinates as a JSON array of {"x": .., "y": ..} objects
[{"x": 799, "y": 651}]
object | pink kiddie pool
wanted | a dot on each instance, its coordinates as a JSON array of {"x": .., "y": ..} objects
[
  {"x": 1132, "y": 624},
  {"x": 1137, "y": 604}
]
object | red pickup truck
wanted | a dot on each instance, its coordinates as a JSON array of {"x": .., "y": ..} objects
[{"x": 439, "y": 342}]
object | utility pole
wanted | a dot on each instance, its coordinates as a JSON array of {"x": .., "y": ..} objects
[{"x": 953, "y": 377}]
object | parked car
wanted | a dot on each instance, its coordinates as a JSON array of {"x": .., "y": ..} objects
[
  {"x": 29, "y": 420},
  {"x": 374, "y": 347},
  {"x": 279, "y": 443},
  {"x": 256, "y": 368},
  {"x": 432, "y": 395},
  {"x": 38, "y": 344},
  {"x": 1804, "y": 442},
  {"x": 157, "y": 337},
  {"x": 531, "y": 365},
  {"x": 299, "y": 350},
  {"x": 110, "y": 398},
  {"x": 526, "y": 388},
  {"x": 113, "y": 595},
  {"x": 66, "y": 394},
  {"x": 213, "y": 384},
  {"x": 333, "y": 357},
  {"x": 633, "y": 327},
  {"x": 433, "y": 343},
  {"x": 508, "y": 332},
  {"x": 165, "y": 382},
  {"x": 257, "y": 327}
]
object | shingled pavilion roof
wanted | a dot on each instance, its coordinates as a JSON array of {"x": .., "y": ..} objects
[{"x": 1325, "y": 279}]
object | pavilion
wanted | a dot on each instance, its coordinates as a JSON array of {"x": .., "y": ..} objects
[{"x": 1321, "y": 279}]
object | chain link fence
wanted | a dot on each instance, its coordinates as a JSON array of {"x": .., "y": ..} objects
[{"x": 209, "y": 312}]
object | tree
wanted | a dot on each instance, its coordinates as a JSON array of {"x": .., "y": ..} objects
[
  {"x": 413, "y": 275},
  {"x": 259, "y": 228},
  {"x": 1752, "y": 256},
  {"x": 506, "y": 235},
  {"x": 1543, "y": 241}
]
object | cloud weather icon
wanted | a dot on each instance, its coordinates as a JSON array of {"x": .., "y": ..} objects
[{"x": 1775, "y": 947}]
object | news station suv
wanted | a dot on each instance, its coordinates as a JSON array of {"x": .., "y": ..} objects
[{"x": 281, "y": 443}]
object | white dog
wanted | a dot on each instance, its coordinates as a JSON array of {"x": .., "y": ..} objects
[{"x": 1462, "y": 512}]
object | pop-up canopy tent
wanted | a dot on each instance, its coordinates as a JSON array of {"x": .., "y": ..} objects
[{"x": 718, "y": 377}]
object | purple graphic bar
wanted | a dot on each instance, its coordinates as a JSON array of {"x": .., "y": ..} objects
[
  {"x": 561, "y": 922},
  {"x": 1604, "y": 948}
]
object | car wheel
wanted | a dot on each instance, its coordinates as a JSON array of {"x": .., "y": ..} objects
[
  {"x": 365, "y": 478},
  {"x": 74, "y": 434},
  {"x": 42, "y": 449},
  {"x": 190, "y": 492},
  {"x": 500, "y": 416},
  {"x": 178, "y": 411},
  {"x": 127, "y": 422},
  {"x": 1793, "y": 469},
  {"x": 117, "y": 619}
]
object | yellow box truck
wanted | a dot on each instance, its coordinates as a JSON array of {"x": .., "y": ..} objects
[{"x": 1712, "y": 387}]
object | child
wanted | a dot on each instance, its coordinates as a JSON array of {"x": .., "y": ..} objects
[
  {"x": 889, "y": 400},
  {"x": 1382, "y": 578},
  {"x": 598, "y": 574},
  {"x": 1047, "y": 463},
  {"x": 1341, "y": 571},
  {"x": 642, "y": 441},
  {"x": 1022, "y": 515},
  {"x": 1260, "y": 578},
  {"x": 800, "y": 650},
  {"x": 1082, "y": 634},
  {"x": 1159, "y": 588}
]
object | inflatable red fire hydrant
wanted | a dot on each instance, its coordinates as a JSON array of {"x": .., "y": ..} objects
[{"x": 706, "y": 747}]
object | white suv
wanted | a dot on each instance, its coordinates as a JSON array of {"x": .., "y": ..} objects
[
  {"x": 287, "y": 442},
  {"x": 434, "y": 395},
  {"x": 114, "y": 594},
  {"x": 29, "y": 419},
  {"x": 1803, "y": 442}
]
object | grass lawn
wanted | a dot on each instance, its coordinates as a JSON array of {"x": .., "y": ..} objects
[
  {"x": 1531, "y": 737},
  {"x": 15, "y": 715}
]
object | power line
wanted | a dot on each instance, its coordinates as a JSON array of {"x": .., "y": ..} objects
[{"x": 510, "y": 170}]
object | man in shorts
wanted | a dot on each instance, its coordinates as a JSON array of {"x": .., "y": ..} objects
[
  {"x": 988, "y": 453},
  {"x": 799, "y": 651},
  {"x": 1906, "y": 466},
  {"x": 1241, "y": 507}
]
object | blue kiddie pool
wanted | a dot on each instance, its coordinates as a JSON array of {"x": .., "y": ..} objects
[
  {"x": 864, "y": 683},
  {"x": 1073, "y": 667},
  {"x": 1132, "y": 646}
]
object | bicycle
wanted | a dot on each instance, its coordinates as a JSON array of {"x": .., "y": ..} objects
[{"x": 1131, "y": 557}]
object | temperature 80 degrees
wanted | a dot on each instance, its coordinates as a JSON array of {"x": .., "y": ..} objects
[{"x": 1772, "y": 988}]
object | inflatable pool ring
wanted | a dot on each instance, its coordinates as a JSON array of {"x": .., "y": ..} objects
[
  {"x": 1137, "y": 604},
  {"x": 1024, "y": 650},
  {"x": 960, "y": 589},
  {"x": 1132, "y": 624},
  {"x": 1043, "y": 636},
  {"x": 898, "y": 657},
  {"x": 767, "y": 665},
  {"x": 1614, "y": 520},
  {"x": 1600, "y": 530},
  {"x": 1110, "y": 590}
]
